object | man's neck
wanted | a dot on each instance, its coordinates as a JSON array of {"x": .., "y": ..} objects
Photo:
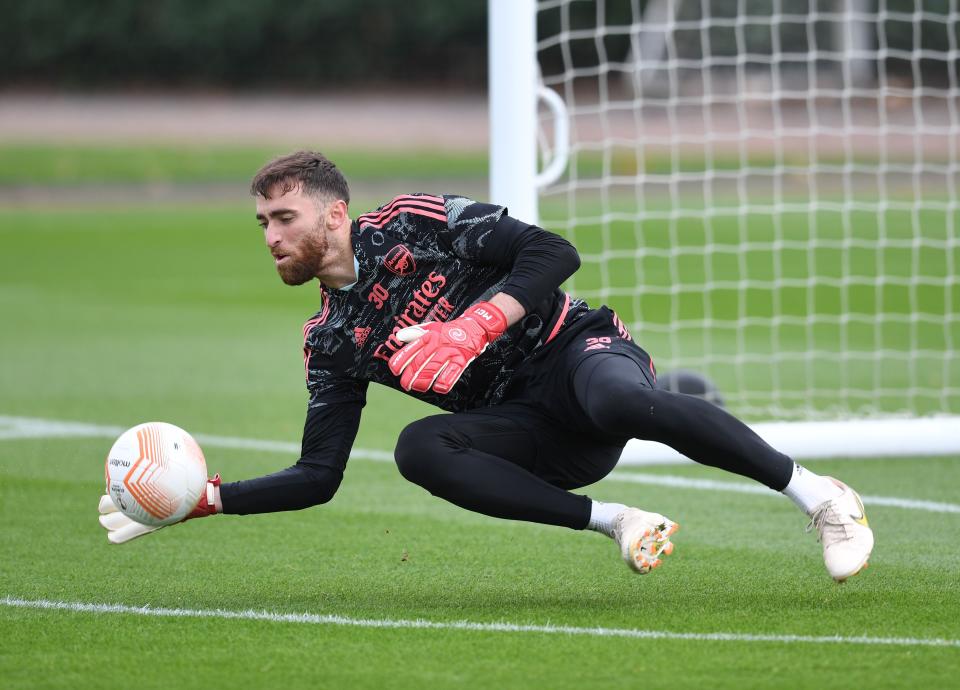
[{"x": 342, "y": 269}]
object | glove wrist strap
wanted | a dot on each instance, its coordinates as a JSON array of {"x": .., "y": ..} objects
[
  {"x": 209, "y": 503},
  {"x": 490, "y": 318}
]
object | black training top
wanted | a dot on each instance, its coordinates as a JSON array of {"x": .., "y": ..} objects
[{"x": 427, "y": 258}]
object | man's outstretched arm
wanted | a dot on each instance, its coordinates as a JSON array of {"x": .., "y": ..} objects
[{"x": 328, "y": 436}]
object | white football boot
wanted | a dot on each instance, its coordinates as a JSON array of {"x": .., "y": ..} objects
[
  {"x": 846, "y": 537},
  {"x": 643, "y": 538}
]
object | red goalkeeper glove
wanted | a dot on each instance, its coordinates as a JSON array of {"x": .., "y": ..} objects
[{"x": 438, "y": 353}]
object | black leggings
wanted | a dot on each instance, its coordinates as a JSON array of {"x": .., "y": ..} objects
[{"x": 517, "y": 460}]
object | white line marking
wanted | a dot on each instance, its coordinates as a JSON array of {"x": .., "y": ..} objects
[
  {"x": 757, "y": 489},
  {"x": 29, "y": 427},
  {"x": 332, "y": 619},
  {"x": 12, "y": 428}
]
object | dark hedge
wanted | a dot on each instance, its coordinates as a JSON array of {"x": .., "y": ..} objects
[
  {"x": 244, "y": 43},
  {"x": 312, "y": 44}
]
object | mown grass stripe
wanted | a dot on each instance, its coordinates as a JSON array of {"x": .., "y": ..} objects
[{"x": 501, "y": 627}]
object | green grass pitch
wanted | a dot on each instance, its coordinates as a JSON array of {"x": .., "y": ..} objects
[{"x": 120, "y": 316}]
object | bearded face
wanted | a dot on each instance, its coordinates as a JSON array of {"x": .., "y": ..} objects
[
  {"x": 301, "y": 260},
  {"x": 296, "y": 227}
]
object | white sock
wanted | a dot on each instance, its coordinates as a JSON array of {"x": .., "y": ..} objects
[
  {"x": 808, "y": 490},
  {"x": 602, "y": 516}
]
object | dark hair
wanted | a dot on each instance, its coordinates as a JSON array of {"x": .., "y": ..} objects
[{"x": 312, "y": 171}]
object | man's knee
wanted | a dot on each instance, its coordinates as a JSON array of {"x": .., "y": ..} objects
[
  {"x": 621, "y": 405},
  {"x": 421, "y": 450}
]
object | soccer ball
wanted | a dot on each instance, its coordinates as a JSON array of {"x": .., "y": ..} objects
[{"x": 156, "y": 473}]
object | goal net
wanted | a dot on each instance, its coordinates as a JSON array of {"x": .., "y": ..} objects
[{"x": 766, "y": 192}]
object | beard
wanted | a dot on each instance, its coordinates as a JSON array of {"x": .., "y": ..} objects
[{"x": 304, "y": 265}]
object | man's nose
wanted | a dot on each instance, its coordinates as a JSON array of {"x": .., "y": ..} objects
[{"x": 272, "y": 237}]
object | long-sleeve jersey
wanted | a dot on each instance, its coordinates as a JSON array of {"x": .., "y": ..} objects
[
  {"x": 418, "y": 258},
  {"x": 427, "y": 258}
]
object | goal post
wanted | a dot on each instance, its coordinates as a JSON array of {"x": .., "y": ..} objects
[
  {"x": 767, "y": 193},
  {"x": 515, "y": 91},
  {"x": 513, "y": 106}
]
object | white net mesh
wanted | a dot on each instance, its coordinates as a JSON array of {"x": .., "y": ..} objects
[{"x": 767, "y": 192}]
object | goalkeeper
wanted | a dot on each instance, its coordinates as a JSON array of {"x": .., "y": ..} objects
[{"x": 458, "y": 304}]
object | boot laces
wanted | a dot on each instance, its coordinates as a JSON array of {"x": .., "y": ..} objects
[{"x": 828, "y": 523}]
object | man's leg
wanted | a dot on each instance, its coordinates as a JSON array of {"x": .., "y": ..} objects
[
  {"x": 512, "y": 462},
  {"x": 616, "y": 394},
  {"x": 485, "y": 463}
]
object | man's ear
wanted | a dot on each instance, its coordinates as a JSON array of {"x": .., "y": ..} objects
[{"x": 337, "y": 213}]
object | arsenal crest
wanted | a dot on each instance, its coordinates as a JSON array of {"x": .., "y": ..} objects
[{"x": 399, "y": 260}]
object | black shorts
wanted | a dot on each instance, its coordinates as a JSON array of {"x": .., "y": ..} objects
[
  {"x": 546, "y": 380},
  {"x": 540, "y": 424}
]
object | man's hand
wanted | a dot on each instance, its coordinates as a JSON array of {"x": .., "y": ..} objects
[
  {"x": 121, "y": 529},
  {"x": 438, "y": 353}
]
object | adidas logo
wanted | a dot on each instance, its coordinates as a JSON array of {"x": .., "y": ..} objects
[{"x": 360, "y": 335}]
